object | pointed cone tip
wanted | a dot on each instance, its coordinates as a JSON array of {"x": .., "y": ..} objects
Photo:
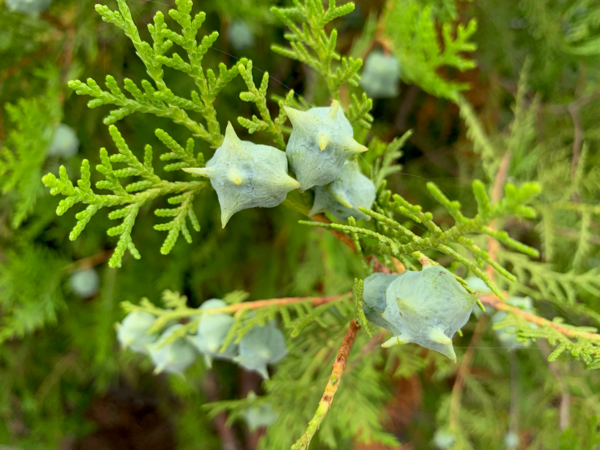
[
  {"x": 292, "y": 183},
  {"x": 343, "y": 200},
  {"x": 448, "y": 352},
  {"x": 231, "y": 138},
  {"x": 295, "y": 115},
  {"x": 225, "y": 216},
  {"x": 263, "y": 372},
  {"x": 395, "y": 340},
  {"x": 437, "y": 335},
  {"x": 355, "y": 147}
]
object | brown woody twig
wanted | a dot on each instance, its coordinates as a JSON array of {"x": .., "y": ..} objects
[{"x": 331, "y": 388}]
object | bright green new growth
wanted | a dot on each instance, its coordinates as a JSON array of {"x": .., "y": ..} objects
[
  {"x": 311, "y": 45},
  {"x": 26, "y": 148},
  {"x": 400, "y": 230},
  {"x": 393, "y": 238},
  {"x": 412, "y": 30},
  {"x": 133, "y": 196},
  {"x": 258, "y": 96},
  {"x": 159, "y": 99}
]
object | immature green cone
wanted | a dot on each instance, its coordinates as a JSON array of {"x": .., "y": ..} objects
[
  {"x": 211, "y": 333},
  {"x": 132, "y": 332},
  {"x": 381, "y": 75},
  {"x": 375, "y": 305},
  {"x": 261, "y": 346},
  {"x": 64, "y": 142},
  {"x": 345, "y": 194},
  {"x": 246, "y": 175},
  {"x": 29, "y": 7},
  {"x": 426, "y": 307},
  {"x": 173, "y": 357},
  {"x": 507, "y": 336},
  {"x": 320, "y": 144},
  {"x": 259, "y": 415}
]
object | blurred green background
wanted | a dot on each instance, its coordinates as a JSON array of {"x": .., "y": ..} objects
[{"x": 65, "y": 384}]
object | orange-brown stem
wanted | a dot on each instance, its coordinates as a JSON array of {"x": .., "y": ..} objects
[
  {"x": 332, "y": 386},
  {"x": 498, "y": 304}
]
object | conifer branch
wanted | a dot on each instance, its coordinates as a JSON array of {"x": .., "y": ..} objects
[
  {"x": 359, "y": 112},
  {"x": 497, "y": 189},
  {"x": 411, "y": 32},
  {"x": 313, "y": 46},
  {"x": 332, "y": 386},
  {"x": 581, "y": 342},
  {"x": 160, "y": 100},
  {"x": 465, "y": 364},
  {"x": 131, "y": 197},
  {"x": 467, "y": 359},
  {"x": 397, "y": 240},
  {"x": 568, "y": 331},
  {"x": 185, "y": 312},
  {"x": 258, "y": 96}
]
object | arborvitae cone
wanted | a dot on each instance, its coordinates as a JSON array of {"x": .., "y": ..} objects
[
  {"x": 347, "y": 192},
  {"x": 212, "y": 330},
  {"x": 320, "y": 143},
  {"x": 246, "y": 175},
  {"x": 426, "y": 307}
]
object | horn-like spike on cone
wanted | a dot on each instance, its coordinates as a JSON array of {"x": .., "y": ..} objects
[
  {"x": 333, "y": 111},
  {"x": 323, "y": 140},
  {"x": 437, "y": 335},
  {"x": 231, "y": 138},
  {"x": 396, "y": 340},
  {"x": 208, "y": 361},
  {"x": 291, "y": 182},
  {"x": 158, "y": 370},
  {"x": 296, "y": 116},
  {"x": 263, "y": 372},
  {"x": 355, "y": 147},
  {"x": 225, "y": 216},
  {"x": 341, "y": 198},
  {"x": 236, "y": 177},
  {"x": 448, "y": 351},
  {"x": 202, "y": 171}
]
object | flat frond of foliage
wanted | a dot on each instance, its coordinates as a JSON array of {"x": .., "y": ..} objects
[
  {"x": 411, "y": 29},
  {"x": 129, "y": 197}
]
